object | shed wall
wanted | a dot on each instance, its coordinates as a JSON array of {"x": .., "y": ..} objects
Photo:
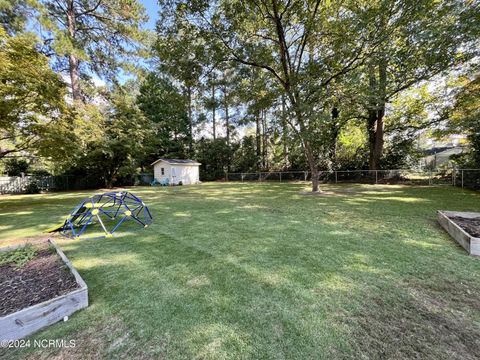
[{"x": 187, "y": 174}]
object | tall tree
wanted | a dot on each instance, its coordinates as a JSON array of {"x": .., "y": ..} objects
[
  {"x": 180, "y": 52},
  {"x": 420, "y": 39},
  {"x": 93, "y": 36},
  {"x": 213, "y": 103},
  {"x": 303, "y": 46},
  {"x": 165, "y": 106}
]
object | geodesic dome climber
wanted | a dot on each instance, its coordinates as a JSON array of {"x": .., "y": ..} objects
[{"x": 109, "y": 210}]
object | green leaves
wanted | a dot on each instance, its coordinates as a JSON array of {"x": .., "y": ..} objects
[
  {"x": 18, "y": 257},
  {"x": 162, "y": 103},
  {"x": 32, "y": 96},
  {"x": 114, "y": 138},
  {"x": 105, "y": 35}
]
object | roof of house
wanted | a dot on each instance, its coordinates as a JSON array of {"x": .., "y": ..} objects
[{"x": 177, "y": 162}]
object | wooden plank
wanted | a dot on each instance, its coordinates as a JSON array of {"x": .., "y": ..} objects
[
  {"x": 469, "y": 243},
  {"x": 29, "y": 320}
]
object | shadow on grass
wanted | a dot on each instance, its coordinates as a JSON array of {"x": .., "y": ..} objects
[{"x": 260, "y": 271}]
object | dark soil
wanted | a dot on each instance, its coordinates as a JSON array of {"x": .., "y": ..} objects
[
  {"x": 470, "y": 225},
  {"x": 43, "y": 278}
]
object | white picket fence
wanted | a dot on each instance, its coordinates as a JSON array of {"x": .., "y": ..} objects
[{"x": 18, "y": 184}]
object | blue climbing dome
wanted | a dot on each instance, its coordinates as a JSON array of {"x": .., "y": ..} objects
[{"x": 109, "y": 210}]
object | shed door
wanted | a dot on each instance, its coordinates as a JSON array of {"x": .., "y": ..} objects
[{"x": 174, "y": 175}]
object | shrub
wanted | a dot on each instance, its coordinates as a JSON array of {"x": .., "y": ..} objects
[
  {"x": 14, "y": 167},
  {"x": 32, "y": 188},
  {"x": 19, "y": 256}
]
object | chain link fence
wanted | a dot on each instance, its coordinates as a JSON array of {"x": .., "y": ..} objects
[{"x": 469, "y": 178}]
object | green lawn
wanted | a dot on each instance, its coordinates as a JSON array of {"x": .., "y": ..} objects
[{"x": 260, "y": 271}]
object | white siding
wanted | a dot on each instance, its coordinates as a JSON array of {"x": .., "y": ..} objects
[
  {"x": 187, "y": 174},
  {"x": 157, "y": 171}
]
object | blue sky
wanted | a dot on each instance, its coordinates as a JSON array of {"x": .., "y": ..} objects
[{"x": 152, "y": 11}]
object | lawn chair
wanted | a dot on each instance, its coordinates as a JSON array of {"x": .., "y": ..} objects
[
  {"x": 164, "y": 182},
  {"x": 154, "y": 182}
]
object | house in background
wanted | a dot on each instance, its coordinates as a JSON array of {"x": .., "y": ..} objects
[
  {"x": 438, "y": 152},
  {"x": 176, "y": 171}
]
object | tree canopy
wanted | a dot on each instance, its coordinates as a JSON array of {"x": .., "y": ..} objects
[{"x": 33, "y": 111}]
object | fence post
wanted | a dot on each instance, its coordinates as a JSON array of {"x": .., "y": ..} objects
[
  {"x": 226, "y": 176},
  {"x": 241, "y": 176},
  {"x": 280, "y": 176},
  {"x": 305, "y": 175},
  {"x": 462, "y": 178},
  {"x": 336, "y": 179},
  {"x": 453, "y": 177},
  {"x": 376, "y": 177}
]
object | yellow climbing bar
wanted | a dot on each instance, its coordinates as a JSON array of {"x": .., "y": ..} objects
[{"x": 89, "y": 205}]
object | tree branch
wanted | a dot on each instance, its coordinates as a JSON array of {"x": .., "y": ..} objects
[{"x": 88, "y": 11}]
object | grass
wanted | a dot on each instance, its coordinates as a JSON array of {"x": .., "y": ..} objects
[{"x": 231, "y": 270}]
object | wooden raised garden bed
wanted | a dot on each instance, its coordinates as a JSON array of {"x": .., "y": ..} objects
[
  {"x": 464, "y": 227},
  {"x": 43, "y": 291}
]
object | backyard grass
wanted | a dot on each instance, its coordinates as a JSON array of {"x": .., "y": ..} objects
[{"x": 237, "y": 270}]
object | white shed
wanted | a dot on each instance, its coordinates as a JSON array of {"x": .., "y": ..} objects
[{"x": 176, "y": 171}]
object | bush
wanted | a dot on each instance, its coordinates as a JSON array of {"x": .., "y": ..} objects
[
  {"x": 14, "y": 167},
  {"x": 39, "y": 172},
  {"x": 32, "y": 188}
]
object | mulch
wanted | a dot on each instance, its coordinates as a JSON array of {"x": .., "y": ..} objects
[
  {"x": 43, "y": 278},
  {"x": 470, "y": 225}
]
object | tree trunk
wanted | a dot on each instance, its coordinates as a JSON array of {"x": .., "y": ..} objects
[
  {"x": 382, "y": 89},
  {"x": 72, "y": 59},
  {"x": 213, "y": 111},
  {"x": 315, "y": 181},
  {"x": 375, "y": 138},
  {"x": 264, "y": 141},
  {"x": 371, "y": 128},
  {"x": 313, "y": 166},
  {"x": 258, "y": 139},
  {"x": 379, "y": 134},
  {"x": 333, "y": 144},
  {"x": 376, "y": 113},
  {"x": 284, "y": 133},
  {"x": 227, "y": 123},
  {"x": 108, "y": 177},
  {"x": 312, "y": 161},
  {"x": 227, "y": 119},
  {"x": 190, "y": 120}
]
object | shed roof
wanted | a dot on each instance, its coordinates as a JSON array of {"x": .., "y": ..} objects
[{"x": 177, "y": 161}]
